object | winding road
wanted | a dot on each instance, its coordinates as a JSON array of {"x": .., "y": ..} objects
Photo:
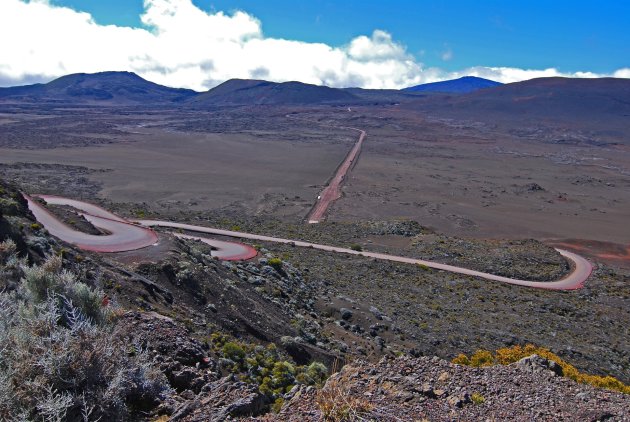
[
  {"x": 119, "y": 234},
  {"x": 125, "y": 235}
]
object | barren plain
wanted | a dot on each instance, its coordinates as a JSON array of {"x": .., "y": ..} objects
[
  {"x": 458, "y": 176},
  {"x": 461, "y": 192}
]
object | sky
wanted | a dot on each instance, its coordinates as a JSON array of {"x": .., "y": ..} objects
[{"x": 369, "y": 43}]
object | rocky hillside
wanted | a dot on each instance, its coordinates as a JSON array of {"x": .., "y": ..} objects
[
  {"x": 410, "y": 389},
  {"x": 170, "y": 333}
]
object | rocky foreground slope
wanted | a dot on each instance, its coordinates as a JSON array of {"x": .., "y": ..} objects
[
  {"x": 184, "y": 337},
  {"x": 394, "y": 389},
  {"x": 425, "y": 388}
]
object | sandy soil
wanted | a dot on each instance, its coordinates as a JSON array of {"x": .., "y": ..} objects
[
  {"x": 203, "y": 171},
  {"x": 464, "y": 178},
  {"x": 482, "y": 184}
]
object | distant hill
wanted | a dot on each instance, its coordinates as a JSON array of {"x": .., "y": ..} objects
[
  {"x": 462, "y": 85},
  {"x": 246, "y": 91},
  {"x": 546, "y": 98},
  {"x": 104, "y": 87},
  {"x": 600, "y": 108}
]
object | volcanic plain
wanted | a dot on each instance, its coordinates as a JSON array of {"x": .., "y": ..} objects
[{"x": 474, "y": 190}]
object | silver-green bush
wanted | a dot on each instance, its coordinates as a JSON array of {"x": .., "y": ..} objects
[{"x": 59, "y": 357}]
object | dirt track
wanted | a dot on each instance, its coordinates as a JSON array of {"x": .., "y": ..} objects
[
  {"x": 575, "y": 280},
  {"x": 127, "y": 235},
  {"x": 332, "y": 192},
  {"x": 121, "y": 235}
]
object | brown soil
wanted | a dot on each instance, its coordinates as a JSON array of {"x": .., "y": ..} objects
[{"x": 608, "y": 252}]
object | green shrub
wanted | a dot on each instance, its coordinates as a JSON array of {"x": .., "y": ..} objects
[
  {"x": 277, "y": 405},
  {"x": 233, "y": 352},
  {"x": 313, "y": 374},
  {"x": 140, "y": 213},
  {"x": 477, "y": 398},
  {"x": 275, "y": 262},
  {"x": 8, "y": 207},
  {"x": 265, "y": 367},
  {"x": 356, "y": 247}
]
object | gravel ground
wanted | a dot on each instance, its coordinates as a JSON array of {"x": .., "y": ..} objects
[{"x": 410, "y": 389}]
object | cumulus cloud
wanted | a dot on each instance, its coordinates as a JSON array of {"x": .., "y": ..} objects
[
  {"x": 622, "y": 73},
  {"x": 182, "y": 45}
]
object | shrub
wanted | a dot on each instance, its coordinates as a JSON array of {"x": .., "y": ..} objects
[
  {"x": 477, "y": 398},
  {"x": 277, "y": 405},
  {"x": 59, "y": 358},
  {"x": 233, "y": 352},
  {"x": 51, "y": 280},
  {"x": 140, "y": 213},
  {"x": 481, "y": 358},
  {"x": 513, "y": 354},
  {"x": 266, "y": 367},
  {"x": 8, "y": 250},
  {"x": 461, "y": 359},
  {"x": 275, "y": 262},
  {"x": 51, "y": 371},
  {"x": 8, "y": 207},
  {"x": 356, "y": 247},
  {"x": 338, "y": 405},
  {"x": 314, "y": 374}
]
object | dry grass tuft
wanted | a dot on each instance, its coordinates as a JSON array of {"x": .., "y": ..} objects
[{"x": 338, "y": 405}]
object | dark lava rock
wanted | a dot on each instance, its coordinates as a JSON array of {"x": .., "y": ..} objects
[
  {"x": 345, "y": 313},
  {"x": 157, "y": 332},
  {"x": 222, "y": 400}
]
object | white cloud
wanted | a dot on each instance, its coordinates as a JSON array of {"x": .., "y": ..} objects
[
  {"x": 622, "y": 73},
  {"x": 182, "y": 45}
]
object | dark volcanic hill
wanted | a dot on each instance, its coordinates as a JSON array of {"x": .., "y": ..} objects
[
  {"x": 547, "y": 97},
  {"x": 116, "y": 88},
  {"x": 597, "y": 108},
  {"x": 462, "y": 85},
  {"x": 250, "y": 92}
]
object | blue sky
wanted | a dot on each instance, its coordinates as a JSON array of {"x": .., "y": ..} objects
[
  {"x": 199, "y": 44},
  {"x": 568, "y": 35}
]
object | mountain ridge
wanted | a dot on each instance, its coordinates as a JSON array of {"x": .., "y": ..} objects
[
  {"x": 101, "y": 87},
  {"x": 259, "y": 92},
  {"x": 553, "y": 95}
]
